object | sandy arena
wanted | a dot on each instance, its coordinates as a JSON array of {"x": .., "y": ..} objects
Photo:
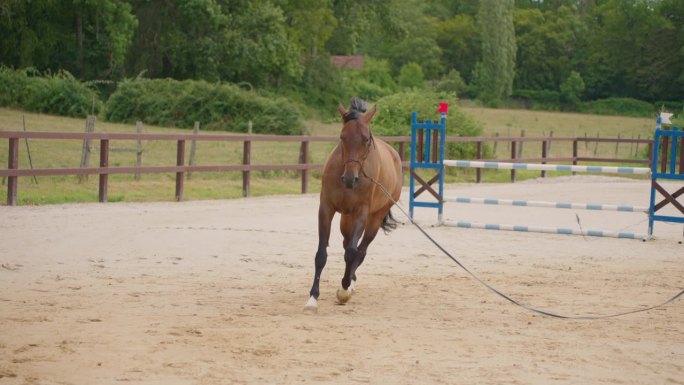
[{"x": 212, "y": 293}]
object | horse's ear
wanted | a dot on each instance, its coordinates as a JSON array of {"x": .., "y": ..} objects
[
  {"x": 370, "y": 114},
  {"x": 341, "y": 109}
]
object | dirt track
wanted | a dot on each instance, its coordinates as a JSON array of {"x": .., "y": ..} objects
[{"x": 212, "y": 293}]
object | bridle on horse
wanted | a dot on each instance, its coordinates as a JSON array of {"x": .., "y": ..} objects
[{"x": 353, "y": 115}]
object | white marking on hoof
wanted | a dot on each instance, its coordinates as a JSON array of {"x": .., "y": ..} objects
[
  {"x": 351, "y": 287},
  {"x": 311, "y": 306},
  {"x": 343, "y": 296}
]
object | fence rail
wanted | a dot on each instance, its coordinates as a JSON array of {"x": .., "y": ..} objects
[{"x": 303, "y": 165}]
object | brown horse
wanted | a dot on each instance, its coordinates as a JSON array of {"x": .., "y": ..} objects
[{"x": 354, "y": 177}]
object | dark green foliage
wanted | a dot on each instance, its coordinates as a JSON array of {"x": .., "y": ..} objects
[
  {"x": 59, "y": 94},
  {"x": 669, "y": 106},
  {"x": 619, "y": 106},
  {"x": 372, "y": 81},
  {"x": 15, "y": 86},
  {"x": 621, "y": 48},
  {"x": 495, "y": 71},
  {"x": 538, "y": 99},
  {"x": 571, "y": 91},
  {"x": 394, "y": 118},
  {"x": 411, "y": 76},
  {"x": 224, "y": 107},
  {"x": 87, "y": 38},
  {"x": 451, "y": 82}
]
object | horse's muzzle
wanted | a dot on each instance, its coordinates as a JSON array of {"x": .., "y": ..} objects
[{"x": 350, "y": 181}]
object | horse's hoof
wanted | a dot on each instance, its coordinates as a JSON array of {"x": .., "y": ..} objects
[
  {"x": 310, "y": 309},
  {"x": 311, "y": 306},
  {"x": 343, "y": 296}
]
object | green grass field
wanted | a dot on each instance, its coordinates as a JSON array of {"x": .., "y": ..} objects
[{"x": 160, "y": 187}]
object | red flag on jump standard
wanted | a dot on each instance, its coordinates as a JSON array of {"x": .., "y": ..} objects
[{"x": 443, "y": 108}]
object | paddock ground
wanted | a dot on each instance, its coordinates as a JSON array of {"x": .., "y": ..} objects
[{"x": 211, "y": 292}]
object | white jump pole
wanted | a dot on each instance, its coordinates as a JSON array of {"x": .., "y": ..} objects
[
  {"x": 541, "y": 229},
  {"x": 545, "y": 204},
  {"x": 547, "y": 167}
]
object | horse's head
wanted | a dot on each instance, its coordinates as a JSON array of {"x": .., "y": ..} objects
[{"x": 356, "y": 140}]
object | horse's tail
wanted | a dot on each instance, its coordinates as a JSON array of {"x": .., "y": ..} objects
[{"x": 389, "y": 223}]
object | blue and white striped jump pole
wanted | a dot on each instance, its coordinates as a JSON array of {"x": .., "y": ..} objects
[
  {"x": 547, "y": 167},
  {"x": 541, "y": 229},
  {"x": 545, "y": 204}
]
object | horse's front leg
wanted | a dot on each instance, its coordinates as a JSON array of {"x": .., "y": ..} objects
[
  {"x": 373, "y": 224},
  {"x": 325, "y": 215},
  {"x": 352, "y": 229}
]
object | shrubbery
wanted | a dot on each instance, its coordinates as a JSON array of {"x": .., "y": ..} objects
[
  {"x": 394, "y": 118},
  {"x": 619, "y": 106},
  {"x": 225, "y": 107},
  {"x": 669, "y": 106},
  {"x": 59, "y": 94},
  {"x": 538, "y": 99}
]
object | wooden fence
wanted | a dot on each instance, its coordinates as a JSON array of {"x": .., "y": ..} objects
[{"x": 303, "y": 165}]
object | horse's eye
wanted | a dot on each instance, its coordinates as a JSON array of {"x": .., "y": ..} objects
[{"x": 365, "y": 139}]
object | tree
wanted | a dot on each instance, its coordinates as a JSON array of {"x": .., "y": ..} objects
[
  {"x": 87, "y": 38},
  {"x": 571, "y": 91},
  {"x": 363, "y": 26},
  {"x": 411, "y": 76},
  {"x": 310, "y": 23},
  {"x": 660, "y": 75},
  {"x": 229, "y": 40},
  {"x": 179, "y": 39},
  {"x": 547, "y": 47},
  {"x": 256, "y": 47},
  {"x": 631, "y": 48},
  {"x": 496, "y": 71},
  {"x": 459, "y": 39}
]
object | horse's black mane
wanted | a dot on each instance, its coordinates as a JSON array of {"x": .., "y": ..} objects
[{"x": 356, "y": 107}]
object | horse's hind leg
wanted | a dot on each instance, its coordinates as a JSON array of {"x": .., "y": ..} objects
[
  {"x": 325, "y": 215},
  {"x": 372, "y": 228}
]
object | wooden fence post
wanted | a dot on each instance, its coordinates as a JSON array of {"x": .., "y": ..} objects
[
  {"x": 304, "y": 159},
  {"x": 246, "y": 160},
  {"x": 513, "y": 152},
  {"x": 478, "y": 171},
  {"x": 596, "y": 145},
  {"x": 12, "y": 164},
  {"x": 636, "y": 150},
  {"x": 664, "y": 151},
  {"x": 522, "y": 142},
  {"x": 104, "y": 163},
  {"x": 496, "y": 143},
  {"x": 85, "y": 153},
  {"x": 193, "y": 145},
  {"x": 545, "y": 145},
  {"x": 139, "y": 149},
  {"x": 574, "y": 153},
  {"x": 180, "y": 161}
]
